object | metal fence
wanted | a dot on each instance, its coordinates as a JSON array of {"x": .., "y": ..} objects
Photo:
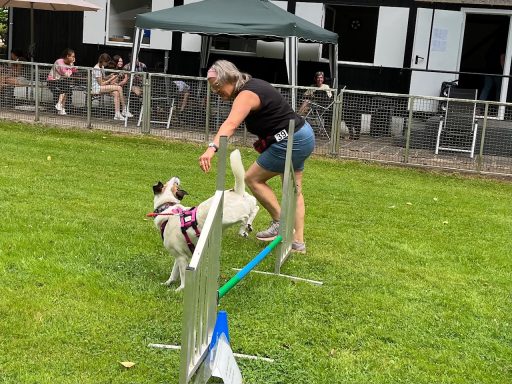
[{"x": 458, "y": 133}]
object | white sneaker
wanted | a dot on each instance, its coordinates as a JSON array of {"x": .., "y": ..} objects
[
  {"x": 58, "y": 107},
  {"x": 61, "y": 111},
  {"x": 119, "y": 117},
  {"x": 127, "y": 114}
]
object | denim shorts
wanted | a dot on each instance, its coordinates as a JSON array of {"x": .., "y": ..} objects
[{"x": 274, "y": 157}]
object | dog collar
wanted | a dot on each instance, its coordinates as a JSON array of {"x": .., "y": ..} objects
[{"x": 163, "y": 207}]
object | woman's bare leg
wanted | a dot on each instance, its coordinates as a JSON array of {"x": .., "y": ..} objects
[
  {"x": 256, "y": 179},
  {"x": 114, "y": 89},
  {"x": 62, "y": 99},
  {"x": 116, "y": 102}
]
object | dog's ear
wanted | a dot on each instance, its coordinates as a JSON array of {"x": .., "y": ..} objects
[
  {"x": 180, "y": 194},
  {"x": 157, "y": 188}
]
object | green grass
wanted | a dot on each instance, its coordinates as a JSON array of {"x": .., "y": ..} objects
[{"x": 416, "y": 268}]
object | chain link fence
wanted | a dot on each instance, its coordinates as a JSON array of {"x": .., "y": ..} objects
[{"x": 456, "y": 132}]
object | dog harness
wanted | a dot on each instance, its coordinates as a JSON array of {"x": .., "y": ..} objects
[{"x": 188, "y": 219}]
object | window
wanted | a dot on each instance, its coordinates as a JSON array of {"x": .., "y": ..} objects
[
  {"x": 357, "y": 29},
  {"x": 121, "y": 19}
]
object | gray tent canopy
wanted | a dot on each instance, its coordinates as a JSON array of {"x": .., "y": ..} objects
[{"x": 258, "y": 19}]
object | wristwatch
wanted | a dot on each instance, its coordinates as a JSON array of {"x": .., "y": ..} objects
[{"x": 214, "y": 146}]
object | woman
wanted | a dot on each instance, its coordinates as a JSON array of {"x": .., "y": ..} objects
[
  {"x": 122, "y": 78},
  {"x": 106, "y": 84},
  {"x": 266, "y": 113},
  {"x": 58, "y": 79}
]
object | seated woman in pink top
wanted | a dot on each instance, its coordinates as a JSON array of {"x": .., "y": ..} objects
[{"x": 58, "y": 79}]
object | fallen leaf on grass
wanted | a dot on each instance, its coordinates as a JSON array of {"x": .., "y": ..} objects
[
  {"x": 49, "y": 158},
  {"x": 445, "y": 222},
  {"x": 392, "y": 206},
  {"x": 435, "y": 199},
  {"x": 127, "y": 364},
  {"x": 408, "y": 203}
]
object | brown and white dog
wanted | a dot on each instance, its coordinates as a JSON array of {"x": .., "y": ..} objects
[{"x": 239, "y": 208}]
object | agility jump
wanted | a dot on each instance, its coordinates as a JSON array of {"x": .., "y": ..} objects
[{"x": 202, "y": 327}]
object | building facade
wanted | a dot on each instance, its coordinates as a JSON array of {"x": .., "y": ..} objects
[{"x": 403, "y": 46}]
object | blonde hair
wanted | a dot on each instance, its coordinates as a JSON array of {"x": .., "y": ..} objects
[{"x": 227, "y": 72}]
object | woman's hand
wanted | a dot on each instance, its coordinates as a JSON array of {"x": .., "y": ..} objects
[
  {"x": 109, "y": 79},
  {"x": 205, "y": 161}
]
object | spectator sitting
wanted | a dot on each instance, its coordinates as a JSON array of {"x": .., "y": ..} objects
[
  {"x": 103, "y": 84},
  {"x": 12, "y": 75},
  {"x": 183, "y": 93},
  {"x": 137, "y": 80},
  {"x": 308, "y": 95},
  {"x": 122, "y": 77},
  {"x": 59, "y": 79}
]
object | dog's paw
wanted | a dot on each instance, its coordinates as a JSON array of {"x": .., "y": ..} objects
[
  {"x": 168, "y": 282},
  {"x": 249, "y": 228},
  {"x": 179, "y": 289}
]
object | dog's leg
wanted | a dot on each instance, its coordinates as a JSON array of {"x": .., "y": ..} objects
[
  {"x": 243, "y": 227},
  {"x": 252, "y": 216},
  {"x": 174, "y": 274},
  {"x": 182, "y": 267}
]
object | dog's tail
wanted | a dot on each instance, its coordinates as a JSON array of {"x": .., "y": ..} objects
[{"x": 237, "y": 167}]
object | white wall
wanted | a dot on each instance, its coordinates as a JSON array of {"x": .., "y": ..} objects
[
  {"x": 94, "y": 24},
  {"x": 312, "y": 12},
  {"x": 190, "y": 42},
  {"x": 161, "y": 39},
  {"x": 391, "y": 37}
]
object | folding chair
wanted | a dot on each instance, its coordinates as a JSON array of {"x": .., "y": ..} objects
[
  {"x": 458, "y": 128},
  {"x": 161, "y": 99},
  {"x": 318, "y": 114}
]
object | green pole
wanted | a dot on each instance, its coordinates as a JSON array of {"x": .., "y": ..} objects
[{"x": 245, "y": 270}]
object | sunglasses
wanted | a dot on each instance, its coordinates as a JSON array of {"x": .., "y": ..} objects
[{"x": 216, "y": 87}]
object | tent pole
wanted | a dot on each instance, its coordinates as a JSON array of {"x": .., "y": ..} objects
[
  {"x": 333, "y": 64},
  {"x": 137, "y": 39},
  {"x": 166, "y": 61},
  {"x": 10, "y": 33},
  {"x": 31, "y": 47},
  {"x": 206, "y": 41},
  {"x": 291, "y": 45}
]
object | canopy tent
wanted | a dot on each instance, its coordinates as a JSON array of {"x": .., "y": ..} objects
[{"x": 259, "y": 19}]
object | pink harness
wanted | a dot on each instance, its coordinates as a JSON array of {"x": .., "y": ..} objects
[{"x": 188, "y": 219}]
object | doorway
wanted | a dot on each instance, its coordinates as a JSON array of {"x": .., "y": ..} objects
[{"x": 484, "y": 41}]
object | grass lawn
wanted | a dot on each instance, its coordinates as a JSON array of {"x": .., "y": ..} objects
[{"x": 416, "y": 269}]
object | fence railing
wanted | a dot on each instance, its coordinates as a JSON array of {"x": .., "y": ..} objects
[{"x": 385, "y": 127}]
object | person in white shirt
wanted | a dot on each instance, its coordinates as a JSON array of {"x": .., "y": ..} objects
[
  {"x": 101, "y": 83},
  {"x": 183, "y": 93}
]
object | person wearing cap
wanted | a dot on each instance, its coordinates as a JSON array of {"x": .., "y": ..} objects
[{"x": 267, "y": 115}]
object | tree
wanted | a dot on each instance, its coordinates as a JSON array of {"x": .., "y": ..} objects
[{"x": 4, "y": 25}]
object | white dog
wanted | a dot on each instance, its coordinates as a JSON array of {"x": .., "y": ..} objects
[{"x": 171, "y": 216}]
